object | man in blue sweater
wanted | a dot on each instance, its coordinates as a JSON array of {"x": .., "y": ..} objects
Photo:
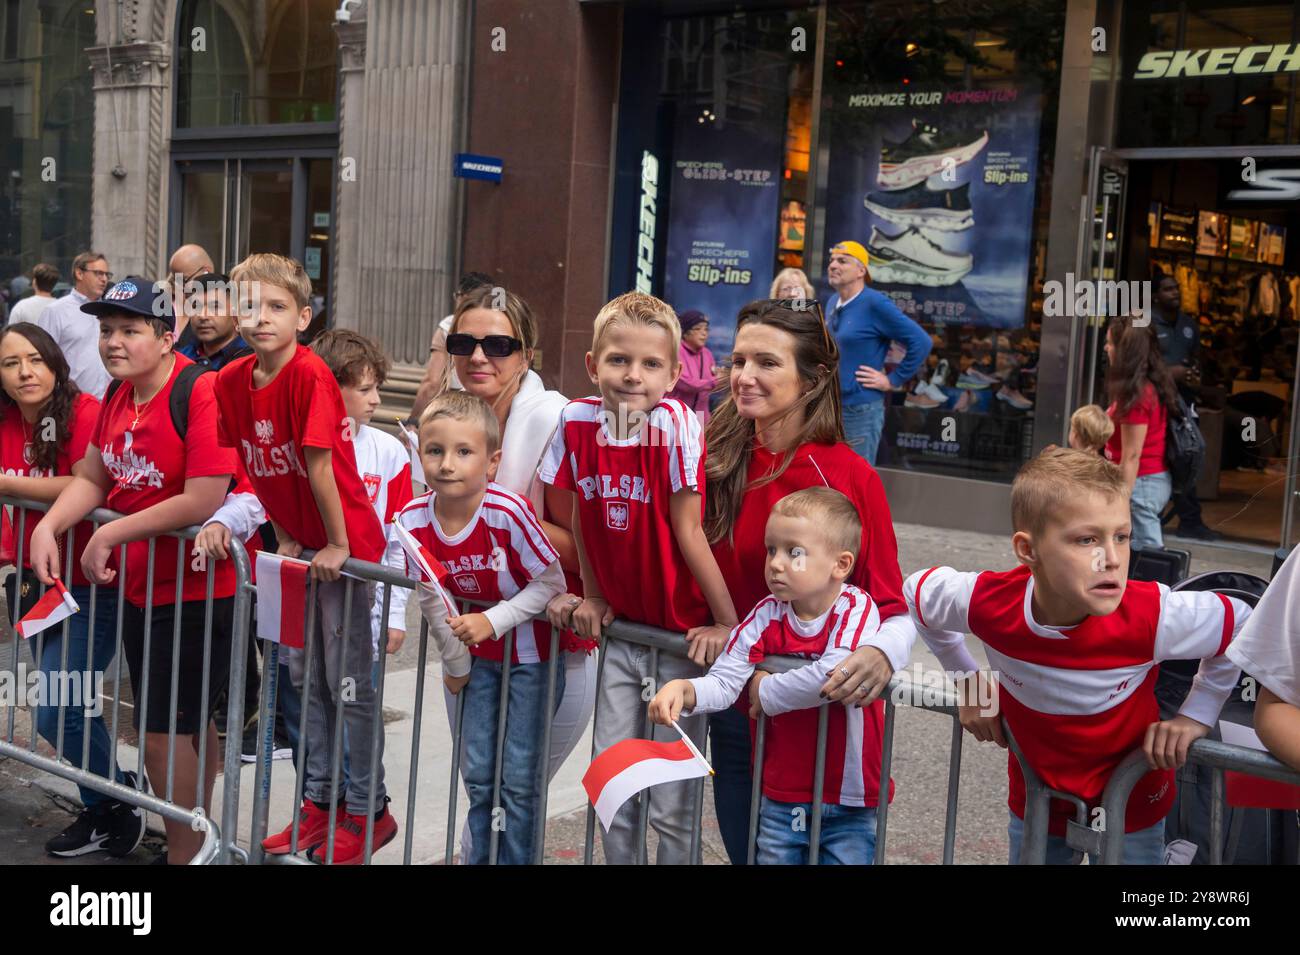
[{"x": 864, "y": 322}]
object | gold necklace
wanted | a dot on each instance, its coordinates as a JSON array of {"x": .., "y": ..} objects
[{"x": 140, "y": 409}]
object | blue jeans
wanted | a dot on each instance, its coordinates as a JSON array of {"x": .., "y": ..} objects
[
  {"x": 848, "y": 834},
  {"x": 729, "y": 751},
  {"x": 1144, "y": 847},
  {"x": 50, "y": 645},
  {"x": 522, "y": 762},
  {"x": 1150, "y": 495},
  {"x": 863, "y": 425}
]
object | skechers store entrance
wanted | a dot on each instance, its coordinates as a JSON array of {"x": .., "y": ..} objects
[
  {"x": 752, "y": 141},
  {"x": 1201, "y": 181}
]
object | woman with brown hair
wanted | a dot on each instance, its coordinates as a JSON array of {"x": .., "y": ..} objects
[
  {"x": 46, "y": 423},
  {"x": 780, "y": 431},
  {"x": 1142, "y": 396}
]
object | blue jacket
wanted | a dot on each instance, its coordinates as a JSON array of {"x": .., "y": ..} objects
[{"x": 863, "y": 332}]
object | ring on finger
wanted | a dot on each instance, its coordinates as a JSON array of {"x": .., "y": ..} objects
[{"x": 845, "y": 671}]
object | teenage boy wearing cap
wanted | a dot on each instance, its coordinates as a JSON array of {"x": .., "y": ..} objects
[
  {"x": 215, "y": 341},
  {"x": 138, "y": 463},
  {"x": 864, "y": 322},
  {"x": 699, "y": 371}
]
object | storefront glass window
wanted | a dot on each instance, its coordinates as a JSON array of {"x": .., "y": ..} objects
[
  {"x": 46, "y": 135},
  {"x": 263, "y": 62},
  {"x": 1209, "y": 73},
  {"x": 938, "y": 133}
]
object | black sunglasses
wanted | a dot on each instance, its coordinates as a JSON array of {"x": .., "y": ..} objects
[
  {"x": 807, "y": 305},
  {"x": 494, "y": 346}
]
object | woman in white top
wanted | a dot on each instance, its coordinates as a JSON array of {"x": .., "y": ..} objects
[{"x": 491, "y": 343}]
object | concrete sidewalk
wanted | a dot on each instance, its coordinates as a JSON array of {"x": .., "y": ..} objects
[{"x": 34, "y": 806}]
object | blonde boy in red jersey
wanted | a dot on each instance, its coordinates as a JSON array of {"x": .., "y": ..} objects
[
  {"x": 281, "y": 409},
  {"x": 634, "y": 462}
]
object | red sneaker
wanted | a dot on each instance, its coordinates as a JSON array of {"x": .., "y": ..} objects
[
  {"x": 313, "y": 829},
  {"x": 350, "y": 839}
]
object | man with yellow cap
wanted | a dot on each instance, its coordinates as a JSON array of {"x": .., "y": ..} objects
[{"x": 864, "y": 322}]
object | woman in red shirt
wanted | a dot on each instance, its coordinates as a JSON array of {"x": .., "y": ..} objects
[
  {"x": 45, "y": 425},
  {"x": 779, "y": 431},
  {"x": 1141, "y": 397}
]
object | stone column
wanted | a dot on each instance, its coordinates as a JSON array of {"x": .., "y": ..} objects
[
  {"x": 401, "y": 70},
  {"x": 131, "y": 67}
]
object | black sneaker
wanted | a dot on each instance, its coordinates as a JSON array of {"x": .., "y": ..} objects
[
  {"x": 924, "y": 152},
  {"x": 947, "y": 210},
  {"x": 89, "y": 833},
  {"x": 248, "y": 745},
  {"x": 126, "y": 824}
]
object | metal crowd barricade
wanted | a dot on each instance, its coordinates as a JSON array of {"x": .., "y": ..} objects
[
  {"x": 899, "y": 692},
  {"x": 363, "y": 573},
  {"x": 216, "y": 847},
  {"x": 1105, "y": 841}
]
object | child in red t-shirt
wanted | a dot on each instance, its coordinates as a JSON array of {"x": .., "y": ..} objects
[
  {"x": 1076, "y": 648},
  {"x": 282, "y": 410},
  {"x": 634, "y": 462},
  {"x": 138, "y": 463}
]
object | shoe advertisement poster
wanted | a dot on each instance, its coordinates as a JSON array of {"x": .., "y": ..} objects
[
  {"x": 939, "y": 186},
  {"x": 724, "y": 211}
]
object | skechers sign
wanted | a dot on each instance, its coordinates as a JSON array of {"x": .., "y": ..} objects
[
  {"x": 1219, "y": 61},
  {"x": 1271, "y": 185},
  {"x": 645, "y": 246}
]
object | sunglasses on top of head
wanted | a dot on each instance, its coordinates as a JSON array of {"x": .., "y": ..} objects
[{"x": 494, "y": 346}]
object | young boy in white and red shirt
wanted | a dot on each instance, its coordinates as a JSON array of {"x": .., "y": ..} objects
[
  {"x": 494, "y": 550},
  {"x": 634, "y": 462},
  {"x": 812, "y": 539},
  {"x": 281, "y": 409},
  {"x": 1076, "y": 647},
  {"x": 139, "y": 464}
]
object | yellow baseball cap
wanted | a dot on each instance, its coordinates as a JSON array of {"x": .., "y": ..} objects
[{"x": 855, "y": 250}]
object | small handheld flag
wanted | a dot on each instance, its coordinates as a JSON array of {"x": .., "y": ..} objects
[
  {"x": 281, "y": 599},
  {"x": 632, "y": 765},
  {"x": 428, "y": 564},
  {"x": 56, "y": 606}
]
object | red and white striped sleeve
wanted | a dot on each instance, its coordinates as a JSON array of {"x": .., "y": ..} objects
[
  {"x": 854, "y": 620},
  {"x": 939, "y": 602},
  {"x": 685, "y": 440},
  {"x": 1201, "y": 624},
  {"x": 531, "y": 546},
  {"x": 730, "y": 673}
]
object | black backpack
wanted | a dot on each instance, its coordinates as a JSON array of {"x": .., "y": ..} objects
[
  {"x": 178, "y": 401},
  {"x": 1184, "y": 446}
]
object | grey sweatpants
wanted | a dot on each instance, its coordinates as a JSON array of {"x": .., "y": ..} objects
[
  {"x": 353, "y": 638},
  {"x": 620, "y": 714}
]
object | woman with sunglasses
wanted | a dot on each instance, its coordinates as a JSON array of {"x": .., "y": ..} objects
[
  {"x": 491, "y": 342},
  {"x": 780, "y": 431}
]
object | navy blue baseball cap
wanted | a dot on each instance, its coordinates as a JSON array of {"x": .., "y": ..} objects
[{"x": 138, "y": 296}]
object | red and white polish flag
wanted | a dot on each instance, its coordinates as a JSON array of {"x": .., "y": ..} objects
[
  {"x": 281, "y": 599},
  {"x": 56, "y": 606},
  {"x": 628, "y": 767},
  {"x": 429, "y": 565}
]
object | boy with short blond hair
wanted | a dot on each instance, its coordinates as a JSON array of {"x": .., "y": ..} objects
[
  {"x": 813, "y": 537},
  {"x": 633, "y": 460},
  {"x": 282, "y": 410},
  {"x": 1090, "y": 429},
  {"x": 493, "y": 550},
  {"x": 1076, "y": 647}
]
